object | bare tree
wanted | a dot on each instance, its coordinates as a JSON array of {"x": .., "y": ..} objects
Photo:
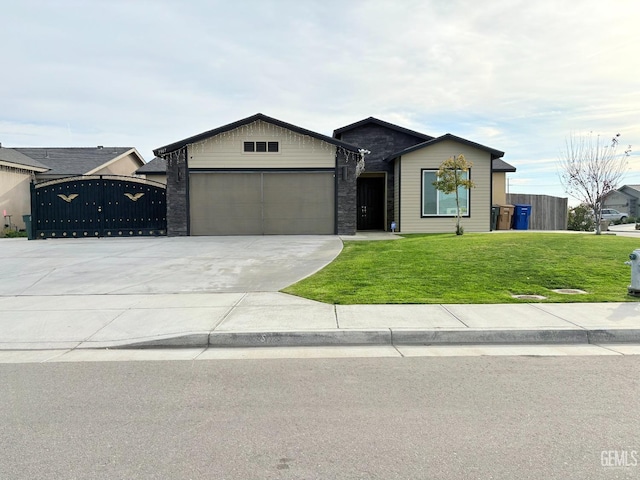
[{"x": 590, "y": 168}]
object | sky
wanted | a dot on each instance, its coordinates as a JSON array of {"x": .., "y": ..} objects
[{"x": 517, "y": 76}]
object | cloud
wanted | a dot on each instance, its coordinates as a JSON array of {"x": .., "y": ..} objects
[{"x": 515, "y": 75}]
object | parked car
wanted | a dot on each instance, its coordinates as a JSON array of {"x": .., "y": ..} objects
[{"x": 614, "y": 215}]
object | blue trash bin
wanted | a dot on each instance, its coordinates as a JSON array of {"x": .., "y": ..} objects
[{"x": 521, "y": 217}]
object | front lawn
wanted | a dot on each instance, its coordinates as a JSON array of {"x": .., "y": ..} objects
[{"x": 475, "y": 268}]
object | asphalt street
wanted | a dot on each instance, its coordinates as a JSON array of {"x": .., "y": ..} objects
[{"x": 369, "y": 418}]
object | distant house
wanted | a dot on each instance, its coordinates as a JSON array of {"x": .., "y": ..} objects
[
  {"x": 624, "y": 199},
  {"x": 155, "y": 170},
  {"x": 20, "y": 166},
  {"x": 16, "y": 173},
  {"x": 260, "y": 175}
]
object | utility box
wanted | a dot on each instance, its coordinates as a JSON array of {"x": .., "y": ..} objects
[
  {"x": 505, "y": 214},
  {"x": 634, "y": 262},
  {"x": 521, "y": 217}
]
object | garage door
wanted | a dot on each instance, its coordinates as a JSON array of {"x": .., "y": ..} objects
[{"x": 260, "y": 203}]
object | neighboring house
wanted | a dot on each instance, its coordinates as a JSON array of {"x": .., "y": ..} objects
[
  {"x": 20, "y": 166},
  {"x": 500, "y": 169},
  {"x": 69, "y": 162},
  {"x": 155, "y": 170},
  {"x": 260, "y": 175},
  {"x": 624, "y": 199},
  {"x": 16, "y": 173}
]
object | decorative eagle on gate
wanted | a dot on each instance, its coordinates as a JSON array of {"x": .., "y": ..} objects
[
  {"x": 134, "y": 197},
  {"x": 68, "y": 198}
]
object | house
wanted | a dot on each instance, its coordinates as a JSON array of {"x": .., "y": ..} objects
[
  {"x": 624, "y": 199},
  {"x": 21, "y": 166},
  {"x": 260, "y": 175}
]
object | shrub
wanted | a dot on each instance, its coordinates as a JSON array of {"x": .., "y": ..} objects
[
  {"x": 9, "y": 233},
  {"x": 581, "y": 219}
]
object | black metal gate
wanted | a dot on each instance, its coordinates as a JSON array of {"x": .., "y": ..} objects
[{"x": 98, "y": 206}]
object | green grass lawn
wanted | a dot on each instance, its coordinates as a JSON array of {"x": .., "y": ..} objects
[{"x": 475, "y": 268}]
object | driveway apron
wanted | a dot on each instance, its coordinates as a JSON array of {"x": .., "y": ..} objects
[{"x": 108, "y": 266}]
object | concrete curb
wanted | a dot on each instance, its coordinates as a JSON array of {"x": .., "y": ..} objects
[
  {"x": 190, "y": 340},
  {"x": 300, "y": 338},
  {"x": 622, "y": 335},
  {"x": 488, "y": 337},
  {"x": 356, "y": 337}
]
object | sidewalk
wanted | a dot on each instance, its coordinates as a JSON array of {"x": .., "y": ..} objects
[
  {"x": 156, "y": 292},
  {"x": 276, "y": 319}
]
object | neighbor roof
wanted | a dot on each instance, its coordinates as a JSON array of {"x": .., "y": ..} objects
[
  {"x": 11, "y": 155},
  {"x": 494, "y": 153},
  {"x": 382, "y": 123},
  {"x": 156, "y": 166},
  {"x": 73, "y": 161},
  {"x": 245, "y": 121},
  {"x": 499, "y": 165},
  {"x": 635, "y": 188}
]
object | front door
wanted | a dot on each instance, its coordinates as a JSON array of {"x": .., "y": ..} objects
[{"x": 371, "y": 203}]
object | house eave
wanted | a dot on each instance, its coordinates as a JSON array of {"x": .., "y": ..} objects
[
  {"x": 20, "y": 166},
  {"x": 115, "y": 159},
  {"x": 161, "y": 151}
]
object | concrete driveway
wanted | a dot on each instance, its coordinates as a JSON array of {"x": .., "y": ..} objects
[{"x": 161, "y": 265}]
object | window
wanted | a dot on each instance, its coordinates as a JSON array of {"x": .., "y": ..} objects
[
  {"x": 261, "y": 147},
  {"x": 436, "y": 203}
]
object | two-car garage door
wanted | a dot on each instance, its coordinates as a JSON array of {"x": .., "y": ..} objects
[{"x": 257, "y": 203}]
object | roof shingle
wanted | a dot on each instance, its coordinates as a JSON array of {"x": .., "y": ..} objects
[{"x": 73, "y": 160}]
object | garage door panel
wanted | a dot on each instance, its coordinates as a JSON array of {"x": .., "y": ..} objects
[
  {"x": 300, "y": 203},
  {"x": 255, "y": 203},
  {"x": 225, "y": 204}
]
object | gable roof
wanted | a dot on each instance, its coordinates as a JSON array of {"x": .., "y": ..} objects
[
  {"x": 447, "y": 136},
  {"x": 338, "y": 132},
  {"x": 20, "y": 160},
  {"x": 156, "y": 166},
  {"x": 172, "y": 147},
  {"x": 499, "y": 165},
  {"x": 635, "y": 190},
  {"x": 76, "y": 160}
]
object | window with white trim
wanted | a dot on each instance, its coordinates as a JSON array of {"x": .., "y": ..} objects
[
  {"x": 438, "y": 204},
  {"x": 261, "y": 147}
]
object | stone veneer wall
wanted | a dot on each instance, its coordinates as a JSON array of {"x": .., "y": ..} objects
[
  {"x": 346, "y": 192},
  {"x": 177, "y": 194},
  {"x": 382, "y": 142}
]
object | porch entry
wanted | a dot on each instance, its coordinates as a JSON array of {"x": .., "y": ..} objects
[{"x": 371, "y": 202}]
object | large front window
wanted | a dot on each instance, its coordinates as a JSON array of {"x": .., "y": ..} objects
[{"x": 436, "y": 203}]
